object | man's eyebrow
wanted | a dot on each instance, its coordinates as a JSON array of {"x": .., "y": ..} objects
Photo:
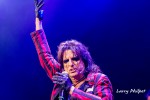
[{"x": 65, "y": 60}]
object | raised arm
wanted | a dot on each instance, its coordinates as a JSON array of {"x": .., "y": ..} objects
[{"x": 47, "y": 61}]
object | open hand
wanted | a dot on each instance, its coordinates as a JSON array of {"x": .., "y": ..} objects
[{"x": 38, "y": 11}]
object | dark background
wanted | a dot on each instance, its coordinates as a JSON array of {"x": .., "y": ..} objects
[{"x": 117, "y": 33}]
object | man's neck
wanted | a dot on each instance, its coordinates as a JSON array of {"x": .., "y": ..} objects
[{"x": 77, "y": 79}]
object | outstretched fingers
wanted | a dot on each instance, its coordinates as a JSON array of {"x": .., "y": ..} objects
[{"x": 40, "y": 4}]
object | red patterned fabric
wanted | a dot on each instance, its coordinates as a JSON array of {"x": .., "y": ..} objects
[{"x": 96, "y": 87}]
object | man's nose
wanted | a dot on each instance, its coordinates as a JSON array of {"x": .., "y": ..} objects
[{"x": 70, "y": 63}]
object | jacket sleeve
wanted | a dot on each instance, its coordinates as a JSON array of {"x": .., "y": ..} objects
[
  {"x": 47, "y": 61},
  {"x": 102, "y": 90}
]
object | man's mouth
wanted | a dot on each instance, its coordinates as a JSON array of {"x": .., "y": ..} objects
[{"x": 72, "y": 71}]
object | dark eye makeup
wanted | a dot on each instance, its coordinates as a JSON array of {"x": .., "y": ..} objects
[
  {"x": 65, "y": 61},
  {"x": 74, "y": 59}
]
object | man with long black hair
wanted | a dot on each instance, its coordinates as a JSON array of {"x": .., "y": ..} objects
[{"x": 74, "y": 74}]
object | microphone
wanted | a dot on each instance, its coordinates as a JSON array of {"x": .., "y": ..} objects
[{"x": 61, "y": 94}]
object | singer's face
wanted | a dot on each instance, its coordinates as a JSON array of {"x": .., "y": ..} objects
[{"x": 73, "y": 64}]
